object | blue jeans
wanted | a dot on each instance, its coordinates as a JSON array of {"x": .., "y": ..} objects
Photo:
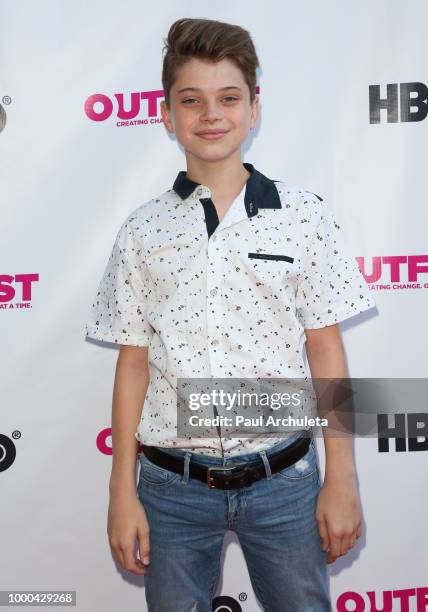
[{"x": 274, "y": 520}]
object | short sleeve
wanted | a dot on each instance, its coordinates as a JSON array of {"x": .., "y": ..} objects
[
  {"x": 331, "y": 287},
  {"x": 118, "y": 312}
]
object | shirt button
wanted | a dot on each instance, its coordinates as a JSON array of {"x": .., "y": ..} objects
[
  {"x": 214, "y": 342},
  {"x": 213, "y": 292},
  {"x": 199, "y": 191},
  {"x": 214, "y": 238}
]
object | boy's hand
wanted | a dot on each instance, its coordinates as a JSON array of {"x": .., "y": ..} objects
[
  {"x": 127, "y": 522},
  {"x": 339, "y": 516}
]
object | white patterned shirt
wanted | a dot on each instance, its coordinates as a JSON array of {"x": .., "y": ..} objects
[{"x": 223, "y": 299}]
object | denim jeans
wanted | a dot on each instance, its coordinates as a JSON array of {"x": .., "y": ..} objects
[{"x": 274, "y": 520}]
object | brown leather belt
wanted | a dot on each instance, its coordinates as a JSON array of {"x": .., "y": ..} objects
[{"x": 237, "y": 476}]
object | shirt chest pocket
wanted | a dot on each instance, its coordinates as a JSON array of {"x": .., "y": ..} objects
[
  {"x": 271, "y": 256},
  {"x": 280, "y": 264},
  {"x": 275, "y": 271}
]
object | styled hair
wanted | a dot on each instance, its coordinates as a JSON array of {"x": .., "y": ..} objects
[{"x": 207, "y": 39}]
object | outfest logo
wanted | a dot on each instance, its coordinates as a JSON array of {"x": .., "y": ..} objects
[
  {"x": 130, "y": 109},
  {"x": 414, "y": 599},
  {"x": 16, "y": 287},
  {"x": 125, "y": 109},
  {"x": 103, "y": 441},
  {"x": 395, "y": 272}
]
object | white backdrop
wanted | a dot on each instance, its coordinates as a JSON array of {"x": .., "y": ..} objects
[{"x": 68, "y": 182}]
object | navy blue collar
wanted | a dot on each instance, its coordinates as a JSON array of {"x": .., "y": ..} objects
[{"x": 260, "y": 191}]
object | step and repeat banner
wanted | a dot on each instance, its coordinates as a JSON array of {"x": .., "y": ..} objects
[{"x": 343, "y": 99}]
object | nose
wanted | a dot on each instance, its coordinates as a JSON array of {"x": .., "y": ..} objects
[{"x": 211, "y": 111}]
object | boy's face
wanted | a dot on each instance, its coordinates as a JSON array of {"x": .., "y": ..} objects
[{"x": 210, "y": 96}]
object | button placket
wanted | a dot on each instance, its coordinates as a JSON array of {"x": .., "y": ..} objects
[
  {"x": 213, "y": 299},
  {"x": 213, "y": 313},
  {"x": 203, "y": 192}
]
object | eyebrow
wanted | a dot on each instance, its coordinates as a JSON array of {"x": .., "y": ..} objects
[{"x": 197, "y": 89}]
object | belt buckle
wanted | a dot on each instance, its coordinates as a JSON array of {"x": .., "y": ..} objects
[{"x": 210, "y": 478}]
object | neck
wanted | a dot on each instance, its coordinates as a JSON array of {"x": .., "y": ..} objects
[{"x": 221, "y": 177}]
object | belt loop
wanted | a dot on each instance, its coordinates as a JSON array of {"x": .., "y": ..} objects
[
  {"x": 185, "y": 477},
  {"x": 266, "y": 464}
]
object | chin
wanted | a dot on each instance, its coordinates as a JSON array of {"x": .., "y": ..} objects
[
  {"x": 205, "y": 154},
  {"x": 219, "y": 156}
]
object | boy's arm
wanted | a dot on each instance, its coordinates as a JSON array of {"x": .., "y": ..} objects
[
  {"x": 338, "y": 512},
  {"x": 127, "y": 520},
  {"x": 130, "y": 387},
  {"x": 326, "y": 358}
]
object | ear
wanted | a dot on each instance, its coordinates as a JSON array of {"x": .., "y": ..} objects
[
  {"x": 254, "y": 111},
  {"x": 166, "y": 117}
]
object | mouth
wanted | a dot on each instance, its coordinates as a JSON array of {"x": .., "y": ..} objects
[{"x": 214, "y": 135}]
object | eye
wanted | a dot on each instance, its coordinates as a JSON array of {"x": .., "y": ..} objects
[{"x": 188, "y": 101}]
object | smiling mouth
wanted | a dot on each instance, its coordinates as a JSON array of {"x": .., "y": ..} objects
[{"x": 212, "y": 135}]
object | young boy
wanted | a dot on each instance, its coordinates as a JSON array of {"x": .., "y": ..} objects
[{"x": 224, "y": 275}]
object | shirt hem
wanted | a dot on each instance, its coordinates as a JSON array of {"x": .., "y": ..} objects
[
  {"x": 99, "y": 333},
  {"x": 338, "y": 315}
]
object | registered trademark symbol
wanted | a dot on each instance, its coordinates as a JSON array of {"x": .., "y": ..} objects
[
  {"x": 242, "y": 596},
  {"x": 6, "y": 100},
  {"x": 16, "y": 434}
]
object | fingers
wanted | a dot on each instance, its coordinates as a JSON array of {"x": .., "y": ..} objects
[
  {"x": 131, "y": 564},
  {"x": 323, "y": 531},
  {"x": 352, "y": 541},
  {"x": 117, "y": 553},
  {"x": 143, "y": 547},
  {"x": 124, "y": 554},
  {"x": 335, "y": 545},
  {"x": 342, "y": 541},
  {"x": 357, "y": 534}
]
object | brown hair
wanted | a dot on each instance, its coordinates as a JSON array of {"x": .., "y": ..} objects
[{"x": 208, "y": 39}]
